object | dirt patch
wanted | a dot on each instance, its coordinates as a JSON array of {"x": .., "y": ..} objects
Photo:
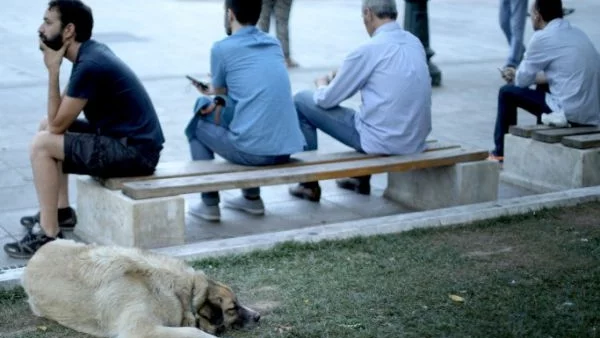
[
  {"x": 266, "y": 289},
  {"x": 488, "y": 253},
  {"x": 264, "y": 306}
]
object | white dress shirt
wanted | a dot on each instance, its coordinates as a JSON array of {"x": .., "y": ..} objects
[
  {"x": 391, "y": 73},
  {"x": 571, "y": 65}
]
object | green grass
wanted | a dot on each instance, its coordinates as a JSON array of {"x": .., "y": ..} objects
[{"x": 527, "y": 276}]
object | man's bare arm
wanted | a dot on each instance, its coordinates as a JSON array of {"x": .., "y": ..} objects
[
  {"x": 68, "y": 111},
  {"x": 62, "y": 110},
  {"x": 54, "y": 97}
]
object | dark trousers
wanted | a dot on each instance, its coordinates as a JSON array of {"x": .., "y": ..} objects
[{"x": 510, "y": 98}]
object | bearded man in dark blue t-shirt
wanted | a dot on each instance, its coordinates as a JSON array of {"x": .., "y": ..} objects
[{"x": 119, "y": 136}]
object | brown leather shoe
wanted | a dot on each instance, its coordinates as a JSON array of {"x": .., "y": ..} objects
[{"x": 312, "y": 194}]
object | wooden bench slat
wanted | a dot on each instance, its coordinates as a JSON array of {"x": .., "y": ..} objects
[
  {"x": 582, "y": 141},
  {"x": 196, "y": 168},
  {"x": 555, "y": 135},
  {"x": 526, "y": 130},
  {"x": 315, "y": 172}
]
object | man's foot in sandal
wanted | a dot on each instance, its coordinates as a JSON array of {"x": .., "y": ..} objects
[{"x": 67, "y": 219}]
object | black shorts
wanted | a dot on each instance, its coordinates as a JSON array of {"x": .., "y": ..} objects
[{"x": 87, "y": 153}]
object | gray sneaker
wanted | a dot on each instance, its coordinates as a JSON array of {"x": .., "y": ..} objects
[
  {"x": 254, "y": 207},
  {"x": 210, "y": 213}
]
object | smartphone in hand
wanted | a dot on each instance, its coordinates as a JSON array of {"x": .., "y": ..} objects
[{"x": 197, "y": 82}]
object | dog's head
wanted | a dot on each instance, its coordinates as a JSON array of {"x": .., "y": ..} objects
[{"x": 218, "y": 308}]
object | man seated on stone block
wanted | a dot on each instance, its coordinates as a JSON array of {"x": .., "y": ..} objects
[
  {"x": 120, "y": 135},
  {"x": 390, "y": 71},
  {"x": 255, "y": 123},
  {"x": 561, "y": 56}
]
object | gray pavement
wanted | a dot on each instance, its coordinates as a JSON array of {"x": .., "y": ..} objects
[{"x": 162, "y": 40}]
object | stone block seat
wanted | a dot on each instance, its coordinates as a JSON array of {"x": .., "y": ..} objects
[
  {"x": 546, "y": 159},
  {"x": 148, "y": 211}
]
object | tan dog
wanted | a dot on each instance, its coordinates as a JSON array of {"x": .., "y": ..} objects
[{"x": 128, "y": 293}]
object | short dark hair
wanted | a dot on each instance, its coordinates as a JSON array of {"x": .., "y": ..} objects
[
  {"x": 247, "y": 12},
  {"x": 77, "y": 13},
  {"x": 549, "y": 9}
]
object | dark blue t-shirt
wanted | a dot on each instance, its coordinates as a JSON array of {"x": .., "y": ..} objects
[{"x": 118, "y": 104}]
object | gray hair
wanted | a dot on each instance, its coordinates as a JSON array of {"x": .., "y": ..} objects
[{"x": 382, "y": 8}]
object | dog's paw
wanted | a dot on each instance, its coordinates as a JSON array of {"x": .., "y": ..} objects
[{"x": 188, "y": 320}]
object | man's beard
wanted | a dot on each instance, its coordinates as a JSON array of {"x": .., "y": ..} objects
[{"x": 54, "y": 43}]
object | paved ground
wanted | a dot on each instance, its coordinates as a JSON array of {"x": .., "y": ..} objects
[{"x": 163, "y": 40}]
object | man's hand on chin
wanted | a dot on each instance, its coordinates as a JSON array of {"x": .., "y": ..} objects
[{"x": 53, "y": 58}]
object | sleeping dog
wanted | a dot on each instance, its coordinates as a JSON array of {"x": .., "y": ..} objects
[{"x": 128, "y": 293}]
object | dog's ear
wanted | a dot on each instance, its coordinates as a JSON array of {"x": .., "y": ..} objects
[
  {"x": 220, "y": 295},
  {"x": 199, "y": 290},
  {"x": 207, "y": 305}
]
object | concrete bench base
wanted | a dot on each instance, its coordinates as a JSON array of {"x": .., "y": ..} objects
[
  {"x": 462, "y": 183},
  {"x": 547, "y": 167},
  {"x": 110, "y": 218}
]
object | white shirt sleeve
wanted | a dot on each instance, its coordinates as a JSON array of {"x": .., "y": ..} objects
[
  {"x": 536, "y": 60},
  {"x": 350, "y": 78}
]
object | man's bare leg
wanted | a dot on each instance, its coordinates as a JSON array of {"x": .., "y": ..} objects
[
  {"x": 46, "y": 156},
  {"x": 63, "y": 183},
  {"x": 63, "y": 187}
]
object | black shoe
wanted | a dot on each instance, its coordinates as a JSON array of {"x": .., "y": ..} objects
[
  {"x": 67, "y": 219},
  {"x": 311, "y": 193},
  {"x": 359, "y": 185},
  {"x": 567, "y": 11},
  {"x": 26, "y": 247}
]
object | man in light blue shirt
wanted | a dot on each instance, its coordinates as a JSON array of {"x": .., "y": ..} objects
[
  {"x": 564, "y": 58},
  {"x": 390, "y": 72},
  {"x": 248, "y": 68}
]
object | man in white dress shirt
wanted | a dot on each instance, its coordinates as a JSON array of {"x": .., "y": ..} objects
[
  {"x": 390, "y": 72},
  {"x": 564, "y": 58}
]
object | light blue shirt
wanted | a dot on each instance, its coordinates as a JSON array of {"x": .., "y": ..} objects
[
  {"x": 391, "y": 73},
  {"x": 571, "y": 65},
  {"x": 250, "y": 64}
]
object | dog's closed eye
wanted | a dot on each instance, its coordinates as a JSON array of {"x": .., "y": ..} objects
[{"x": 232, "y": 311}]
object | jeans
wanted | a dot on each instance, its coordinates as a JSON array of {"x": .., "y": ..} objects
[
  {"x": 513, "y": 14},
  {"x": 210, "y": 139},
  {"x": 510, "y": 98},
  {"x": 338, "y": 122}
]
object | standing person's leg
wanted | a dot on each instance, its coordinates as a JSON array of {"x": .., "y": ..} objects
[
  {"x": 282, "y": 21},
  {"x": 504, "y": 16},
  {"x": 518, "y": 9},
  {"x": 510, "y": 98},
  {"x": 337, "y": 122},
  {"x": 264, "y": 22}
]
